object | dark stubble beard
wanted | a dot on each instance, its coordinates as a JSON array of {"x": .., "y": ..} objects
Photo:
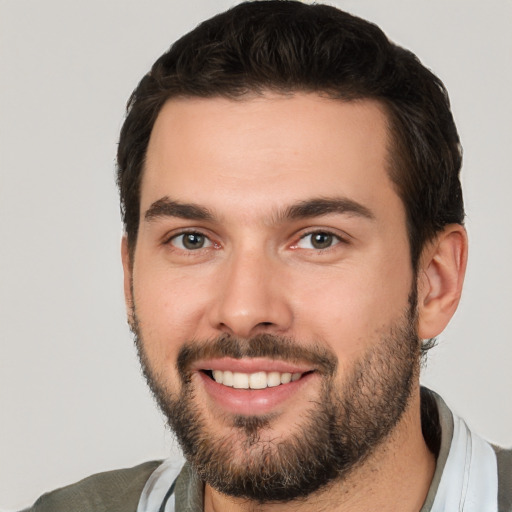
[{"x": 336, "y": 434}]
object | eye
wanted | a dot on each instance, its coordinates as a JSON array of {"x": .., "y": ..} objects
[
  {"x": 318, "y": 240},
  {"x": 190, "y": 241}
]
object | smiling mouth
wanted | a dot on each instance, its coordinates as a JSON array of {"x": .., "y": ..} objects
[{"x": 257, "y": 380}]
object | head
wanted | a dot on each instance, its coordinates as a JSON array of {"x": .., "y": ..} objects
[
  {"x": 288, "y": 47},
  {"x": 288, "y": 177}
]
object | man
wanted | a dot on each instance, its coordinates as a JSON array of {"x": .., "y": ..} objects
[{"x": 294, "y": 242}]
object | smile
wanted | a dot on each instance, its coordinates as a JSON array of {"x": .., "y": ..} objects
[
  {"x": 256, "y": 380},
  {"x": 253, "y": 386}
]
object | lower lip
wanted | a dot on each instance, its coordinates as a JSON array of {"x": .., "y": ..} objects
[{"x": 250, "y": 402}]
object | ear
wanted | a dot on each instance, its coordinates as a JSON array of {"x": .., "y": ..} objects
[
  {"x": 127, "y": 281},
  {"x": 440, "y": 279}
]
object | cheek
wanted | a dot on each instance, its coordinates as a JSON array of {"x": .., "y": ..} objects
[
  {"x": 168, "y": 307},
  {"x": 351, "y": 309}
]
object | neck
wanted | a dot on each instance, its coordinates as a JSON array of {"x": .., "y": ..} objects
[{"x": 395, "y": 478}]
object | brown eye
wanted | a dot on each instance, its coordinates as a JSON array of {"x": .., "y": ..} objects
[
  {"x": 318, "y": 240},
  {"x": 191, "y": 241},
  {"x": 321, "y": 240}
]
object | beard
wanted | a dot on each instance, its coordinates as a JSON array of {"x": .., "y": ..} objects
[{"x": 334, "y": 436}]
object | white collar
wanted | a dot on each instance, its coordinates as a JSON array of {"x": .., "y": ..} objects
[{"x": 469, "y": 482}]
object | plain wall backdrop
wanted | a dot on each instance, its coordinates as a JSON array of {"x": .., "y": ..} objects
[{"x": 72, "y": 401}]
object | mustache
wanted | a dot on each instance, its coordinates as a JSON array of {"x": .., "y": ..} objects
[{"x": 262, "y": 345}]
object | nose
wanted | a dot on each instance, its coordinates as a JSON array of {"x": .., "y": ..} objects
[{"x": 251, "y": 298}]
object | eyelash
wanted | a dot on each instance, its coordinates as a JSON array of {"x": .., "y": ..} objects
[
  {"x": 337, "y": 239},
  {"x": 169, "y": 240}
]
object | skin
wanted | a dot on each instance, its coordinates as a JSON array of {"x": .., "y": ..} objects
[{"x": 247, "y": 162}]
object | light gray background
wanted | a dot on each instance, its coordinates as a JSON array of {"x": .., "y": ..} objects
[{"x": 72, "y": 401}]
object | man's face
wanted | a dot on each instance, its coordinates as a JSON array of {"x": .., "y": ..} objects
[{"x": 272, "y": 254}]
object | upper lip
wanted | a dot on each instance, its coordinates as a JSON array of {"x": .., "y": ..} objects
[{"x": 251, "y": 365}]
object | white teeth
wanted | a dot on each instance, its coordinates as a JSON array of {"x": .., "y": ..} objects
[
  {"x": 227, "y": 378},
  {"x": 217, "y": 375},
  {"x": 240, "y": 380},
  {"x": 273, "y": 379},
  {"x": 258, "y": 380},
  {"x": 285, "y": 378}
]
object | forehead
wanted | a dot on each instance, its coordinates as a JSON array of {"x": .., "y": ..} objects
[{"x": 265, "y": 151}]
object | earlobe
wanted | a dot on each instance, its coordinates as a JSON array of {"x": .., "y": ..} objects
[
  {"x": 127, "y": 279},
  {"x": 440, "y": 279}
]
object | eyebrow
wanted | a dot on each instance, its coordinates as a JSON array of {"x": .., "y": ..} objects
[
  {"x": 325, "y": 206},
  {"x": 166, "y": 207}
]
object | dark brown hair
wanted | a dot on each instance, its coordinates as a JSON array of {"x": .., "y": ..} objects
[{"x": 287, "y": 46}]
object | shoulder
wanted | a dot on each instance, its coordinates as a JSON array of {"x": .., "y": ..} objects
[
  {"x": 110, "y": 491},
  {"x": 504, "y": 460}
]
